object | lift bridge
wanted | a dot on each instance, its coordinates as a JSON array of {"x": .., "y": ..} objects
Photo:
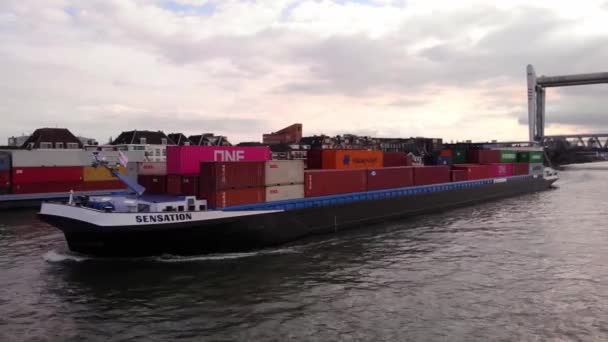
[{"x": 579, "y": 143}]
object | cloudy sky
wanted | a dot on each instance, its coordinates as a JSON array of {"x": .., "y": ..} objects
[{"x": 438, "y": 68}]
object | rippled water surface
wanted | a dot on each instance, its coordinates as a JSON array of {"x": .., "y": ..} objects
[{"x": 531, "y": 268}]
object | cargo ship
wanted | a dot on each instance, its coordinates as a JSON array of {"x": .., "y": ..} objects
[{"x": 245, "y": 205}]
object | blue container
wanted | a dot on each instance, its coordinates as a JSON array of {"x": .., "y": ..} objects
[
  {"x": 5, "y": 161},
  {"x": 444, "y": 160}
]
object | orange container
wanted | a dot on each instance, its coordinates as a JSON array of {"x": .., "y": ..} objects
[
  {"x": 352, "y": 159},
  {"x": 446, "y": 153}
]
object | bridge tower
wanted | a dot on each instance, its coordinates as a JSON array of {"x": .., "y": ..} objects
[{"x": 536, "y": 95}]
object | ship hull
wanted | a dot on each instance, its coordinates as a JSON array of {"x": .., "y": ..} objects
[{"x": 260, "y": 230}]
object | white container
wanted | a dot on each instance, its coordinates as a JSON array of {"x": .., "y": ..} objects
[
  {"x": 280, "y": 172},
  {"x": 152, "y": 168},
  {"x": 284, "y": 192},
  {"x": 536, "y": 169},
  {"x": 37, "y": 158}
]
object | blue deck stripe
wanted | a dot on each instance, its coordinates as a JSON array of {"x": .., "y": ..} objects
[{"x": 309, "y": 202}]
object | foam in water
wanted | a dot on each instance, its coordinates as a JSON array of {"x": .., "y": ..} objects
[
  {"x": 60, "y": 257},
  {"x": 54, "y": 256}
]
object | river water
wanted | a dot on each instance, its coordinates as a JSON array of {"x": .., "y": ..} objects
[{"x": 532, "y": 268}]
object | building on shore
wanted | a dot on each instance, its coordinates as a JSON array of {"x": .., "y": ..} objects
[
  {"x": 209, "y": 139},
  {"x": 154, "y": 143},
  {"x": 52, "y": 138},
  {"x": 288, "y": 135}
]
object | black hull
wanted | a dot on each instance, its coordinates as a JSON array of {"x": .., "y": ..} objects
[{"x": 265, "y": 230}]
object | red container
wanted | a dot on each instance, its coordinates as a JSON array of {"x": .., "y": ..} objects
[
  {"x": 314, "y": 160},
  {"x": 225, "y": 198},
  {"x": 189, "y": 185},
  {"x": 5, "y": 179},
  {"x": 35, "y": 188},
  {"x": 446, "y": 153},
  {"x": 520, "y": 169},
  {"x": 484, "y": 156},
  {"x": 333, "y": 182},
  {"x": 186, "y": 160},
  {"x": 459, "y": 175},
  {"x": 102, "y": 185},
  {"x": 153, "y": 184},
  {"x": 431, "y": 174},
  {"x": 501, "y": 170},
  {"x": 473, "y": 171},
  {"x": 390, "y": 177},
  {"x": 24, "y": 175},
  {"x": 396, "y": 159},
  {"x": 174, "y": 184},
  {"x": 230, "y": 175}
]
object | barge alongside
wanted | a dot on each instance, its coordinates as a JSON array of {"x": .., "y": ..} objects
[{"x": 143, "y": 226}]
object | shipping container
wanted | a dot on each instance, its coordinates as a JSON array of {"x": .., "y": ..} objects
[
  {"x": 23, "y": 175},
  {"x": 352, "y": 159},
  {"x": 186, "y": 160},
  {"x": 483, "y": 156},
  {"x": 153, "y": 184},
  {"x": 102, "y": 185},
  {"x": 229, "y": 197},
  {"x": 152, "y": 168},
  {"x": 442, "y": 160},
  {"x": 284, "y": 192},
  {"x": 508, "y": 156},
  {"x": 424, "y": 175},
  {"x": 532, "y": 157},
  {"x": 459, "y": 156},
  {"x": 5, "y": 179},
  {"x": 333, "y": 182},
  {"x": 283, "y": 172},
  {"x": 473, "y": 171},
  {"x": 100, "y": 173},
  {"x": 458, "y": 175},
  {"x": 536, "y": 169},
  {"x": 38, "y": 158},
  {"x": 190, "y": 186},
  {"x": 174, "y": 184},
  {"x": 46, "y": 187},
  {"x": 5, "y": 191},
  {"x": 520, "y": 169},
  {"x": 230, "y": 175},
  {"x": 500, "y": 170},
  {"x": 392, "y": 159},
  {"x": 314, "y": 159},
  {"x": 390, "y": 177},
  {"x": 5, "y": 161},
  {"x": 446, "y": 153}
]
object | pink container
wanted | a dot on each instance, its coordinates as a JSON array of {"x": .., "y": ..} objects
[
  {"x": 186, "y": 160},
  {"x": 500, "y": 170}
]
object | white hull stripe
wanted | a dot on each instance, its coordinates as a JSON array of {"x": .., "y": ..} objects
[{"x": 104, "y": 219}]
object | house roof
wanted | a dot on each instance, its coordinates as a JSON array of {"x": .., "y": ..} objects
[
  {"x": 134, "y": 137},
  {"x": 179, "y": 139},
  {"x": 52, "y": 135},
  {"x": 209, "y": 139}
]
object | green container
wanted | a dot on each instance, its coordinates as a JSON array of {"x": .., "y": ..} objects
[
  {"x": 530, "y": 157},
  {"x": 508, "y": 156},
  {"x": 459, "y": 156}
]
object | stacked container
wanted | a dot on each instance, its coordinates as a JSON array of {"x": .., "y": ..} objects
[
  {"x": 232, "y": 183},
  {"x": 458, "y": 175},
  {"x": 425, "y": 175},
  {"x": 508, "y": 156},
  {"x": 352, "y": 159},
  {"x": 153, "y": 184},
  {"x": 459, "y": 156},
  {"x": 5, "y": 173},
  {"x": 484, "y": 156},
  {"x": 532, "y": 157},
  {"x": 186, "y": 160},
  {"x": 284, "y": 179},
  {"x": 390, "y": 177},
  {"x": 497, "y": 170},
  {"x": 473, "y": 171},
  {"x": 334, "y": 182},
  {"x": 520, "y": 169},
  {"x": 100, "y": 178},
  {"x": 44, "y": 179},
  {"x": 314, "y": 159},
  {"x": 392, "y": 159}
]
